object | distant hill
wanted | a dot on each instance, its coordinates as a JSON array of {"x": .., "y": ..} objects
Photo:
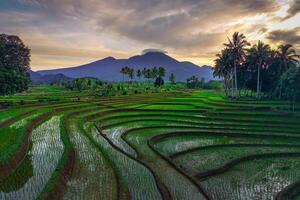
[
  {"x": 108, "y": 69},
  {"x": 47, "y": 79}
]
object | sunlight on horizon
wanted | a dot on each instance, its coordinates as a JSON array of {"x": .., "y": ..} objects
[{"x": 65, "y": 34}]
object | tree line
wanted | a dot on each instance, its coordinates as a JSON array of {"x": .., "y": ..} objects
[
  {"x": 268, "y": 72},
  {"x": 156, "y": 74}
]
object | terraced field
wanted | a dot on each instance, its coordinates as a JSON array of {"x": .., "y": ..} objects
[{"x": 178, "y": 145}]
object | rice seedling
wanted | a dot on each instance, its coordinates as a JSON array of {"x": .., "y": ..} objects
[
  {"x": 256, "y": 179},
  {"x": 154, "y": 146},
  {"x": 170, "y": 146},
  {"x": 46, "y": 150},
  {"x": 93, "y": 177},
  {"x": 140, "y": 182},
  {"x": 207, "y": 159},
  {"x": 178, "y": 185},
  {"x": 22, "y": 122},
  {"x": 114, "y": 134}
]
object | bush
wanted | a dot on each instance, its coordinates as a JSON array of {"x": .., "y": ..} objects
[
  {"x": 22, "y": 102},
  {"x": 158, "y": 82},
  {"x": 6, "y": 103}
]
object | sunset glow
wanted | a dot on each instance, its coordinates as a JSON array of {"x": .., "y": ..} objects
[{"x": 74, "y": 32}]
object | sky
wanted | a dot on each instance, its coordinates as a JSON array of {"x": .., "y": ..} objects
[{"x": 67, "y": 33}]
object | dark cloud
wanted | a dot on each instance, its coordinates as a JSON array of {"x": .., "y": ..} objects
[
  {"x": 293, "y": 10},
  {"x": 188, "y": 28},
  {"x": 153, "y": 50},
  {"x": 263, "y": 30},
  {"x": 171, "y": 23},
  {"x": 285, "y": 36},
  {"x": 189, "y": 21}
]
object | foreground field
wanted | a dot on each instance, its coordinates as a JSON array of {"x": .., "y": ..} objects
[{"x": 176, "y": 145}]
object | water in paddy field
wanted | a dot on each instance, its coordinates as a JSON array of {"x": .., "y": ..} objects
[
  {"x": 140, "y": 181},
  {"x": 259, "y": 179},
  {"x": 115, "y": 136},
  {"x": 44, "y": 154},
  {"x": 94, "y": 178}
]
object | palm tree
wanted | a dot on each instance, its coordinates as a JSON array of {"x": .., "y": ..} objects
[
  {"x": 125, "y": 71},
  {"x": 161, "y": 72},
  {"x": 139, "y": 74},
  {"x": 144, "y": 71},
  {"x": 147, "y": 74},
  {"x": 260, "y": 54},
  {"x": 287, "y": 56},
  {"x": 122, "y": 71},
  {"x": 154, "y": 72},
  {"x": 237, "y": 46},
  {"x": 172, "y": 78},
  {"x": 223, "y": 69},
  {"x": 130, "y": 74}
]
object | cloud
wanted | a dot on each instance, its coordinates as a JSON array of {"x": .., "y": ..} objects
[
  {"x": 169, "y": 23},
  {"x": 285, "y": 36},
  {"x": 293, "y": 10},
  {"x": 185, "y": 28},
  {"x": 153, "y": 50}
]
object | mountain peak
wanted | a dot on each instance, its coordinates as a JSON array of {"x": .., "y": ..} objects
[
  {"x": 110, "y": 58},
  {"x": 159, "y": 58},
  {"x": 108, "y": 69},
  {"x": 154, "y": 53}
]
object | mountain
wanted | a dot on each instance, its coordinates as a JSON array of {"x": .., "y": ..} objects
[
  {"x": 35, "y": 76},
  {"x": 108, "y": 69},
  {"x": 48, "y": 78}
]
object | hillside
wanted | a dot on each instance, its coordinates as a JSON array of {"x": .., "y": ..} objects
[
  {"x": 48, "y": 78},
  {"x": 108, "y": 69}
]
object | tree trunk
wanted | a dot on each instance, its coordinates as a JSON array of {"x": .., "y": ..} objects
[
  {"x": 232, "y": 85},
  {"x": 235, "y": 78},
  {"x": 294, "y": 99},
  {"x": 280, "y": 89},
  {"x": 257, "y": 86},
  {"x": 225, "y": 86},
  {"x": 227, "y": 80}
]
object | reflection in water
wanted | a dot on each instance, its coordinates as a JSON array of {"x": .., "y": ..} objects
[
  {"x": 257, "y": 179},
  {"x": 115, "y": 136},
  {"x": 45, "y": 153}
]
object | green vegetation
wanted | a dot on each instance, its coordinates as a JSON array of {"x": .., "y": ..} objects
[
  {"x": 268, "y": 72},
  {"x": 45, "y": 152},
  {"x": 161, "y": 143},
  {"x": 14, "y": 65}
]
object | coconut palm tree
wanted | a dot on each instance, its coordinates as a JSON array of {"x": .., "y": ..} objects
[
  {"x": 223, "y": 69},
  {"x": 260, "y": 54},
  {"x": 122, "y": 71},
  {"x": 287, "y": 57},
  {"x": 237, "y": 45},
  {"x": 154, "y": 72},
  {"x": 147, "y": 74},
  {"x": 172, "y": 78},
  {"x": 125, "y": 71},
  {"x": 161, "y": 72},
  {"x": 130, "y": 73},
  {"x": 139, "y": 74}
]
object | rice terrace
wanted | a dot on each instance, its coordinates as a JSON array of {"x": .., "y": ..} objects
[
  {"x": 149, "y": 125},
  {"x": 177, "y": 145}
]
